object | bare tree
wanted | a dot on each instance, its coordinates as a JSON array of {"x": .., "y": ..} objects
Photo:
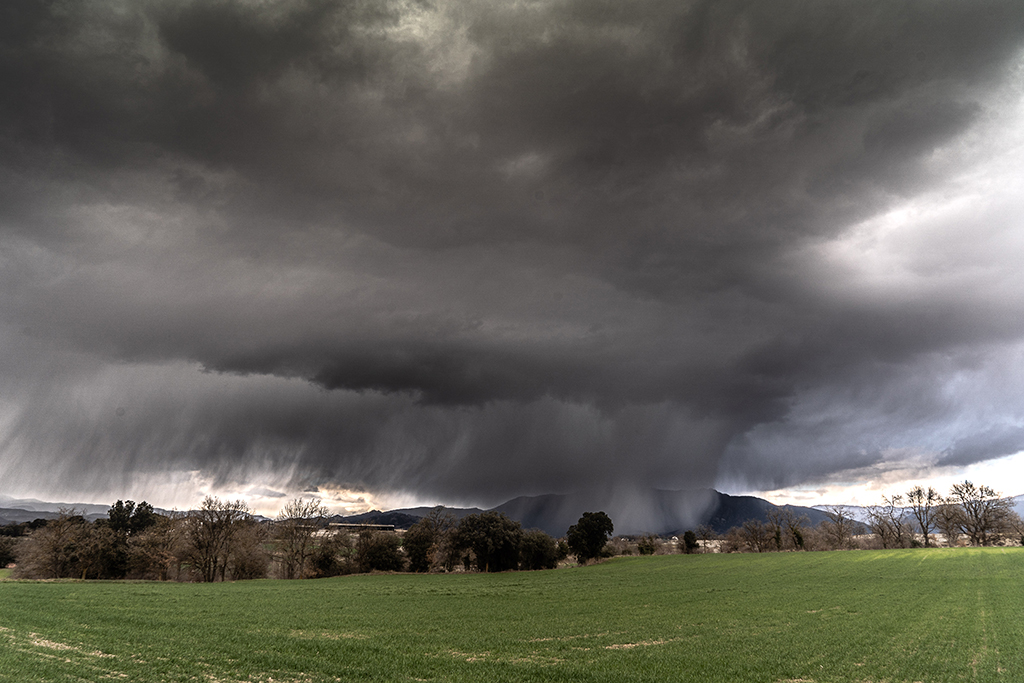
[
  {"x": 99, "y": 555},
  {"x": 757, "y": 535},
  {"x": 153, "y": 553},
  {"x": 776, "y": 520},
  {"x": 923, "y": 505},
  {"x": 53, "y": 551},
  {"x": 838, "y": 528},
  {"x": 295, "y": 530},
  {"x": 1015, "y": 524},
  {"x": 984, "y": 512},
  {"x": 705, "y": 533},
  {"x": 208, "y": 536},
  {"x": 248, "y": 559},
  {"x": 888, "y": 522},
  {"x": 948, "y": 519},
  {"x": 733, "y": 540},
  {"x": 794, "y": 526}
]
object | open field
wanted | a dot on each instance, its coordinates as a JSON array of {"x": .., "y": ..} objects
[{"x": 893, "y": 616}]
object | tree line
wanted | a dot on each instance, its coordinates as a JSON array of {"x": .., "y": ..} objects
[
  {"x": 223, "y": 540},
  {"x": 970, "y": 514},
  {"x": 976, "y": 515}
]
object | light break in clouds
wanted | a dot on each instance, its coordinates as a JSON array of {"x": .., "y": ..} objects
[{"x": 462, "y": 251}]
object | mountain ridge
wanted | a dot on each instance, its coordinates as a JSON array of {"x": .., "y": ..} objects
[{"x": 660, "y": 512}]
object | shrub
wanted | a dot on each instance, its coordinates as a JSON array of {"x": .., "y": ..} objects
[{"x": 647, "y": 545}]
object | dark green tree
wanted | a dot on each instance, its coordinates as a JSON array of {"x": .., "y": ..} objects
[
  {"x": 379, "y": 552},
  {"x": 333, "y": 556},
  {"x": 119, "y": 516},
  {"x": 418, "y": 543},
  {"x": 426, "y": 542},
  {"x": 110, "y": 558},
  {"x": 538, "y": 551},
  {"x": 493, "y": 539},
  {"x": 587, "y": 536},
  {"x": 7, "y": 554},
  {"x": 125, "y": 517},
  {"x": 143, "y": 518},
  {"x": 690, "y": 543}
]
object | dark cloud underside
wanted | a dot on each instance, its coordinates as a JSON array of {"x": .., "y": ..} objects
[{"x": 481, "y": 250}]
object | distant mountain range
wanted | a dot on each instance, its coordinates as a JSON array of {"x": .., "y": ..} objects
[
  {"x": 17, "y": 510},
  {"x": 656, "y": 511},
  {"x": 652, "y": 511}
]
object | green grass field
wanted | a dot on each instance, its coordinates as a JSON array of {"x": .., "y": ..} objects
[{"x": 866, "y": 616}]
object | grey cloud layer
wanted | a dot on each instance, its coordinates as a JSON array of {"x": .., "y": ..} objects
[{"x": 498, "y": 245}]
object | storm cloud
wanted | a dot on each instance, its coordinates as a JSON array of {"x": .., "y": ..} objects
[{"x": 471, "y": 250}]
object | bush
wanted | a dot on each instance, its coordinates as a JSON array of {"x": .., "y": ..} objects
[
  {"x": 563, "y": 550},
  {"x": 647, "y": 545}
]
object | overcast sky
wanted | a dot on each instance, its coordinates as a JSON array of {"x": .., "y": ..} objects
[{"x": 464, "y": 251}]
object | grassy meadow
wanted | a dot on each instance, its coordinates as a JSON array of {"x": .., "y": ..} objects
[{"x": 892, "y": 616}]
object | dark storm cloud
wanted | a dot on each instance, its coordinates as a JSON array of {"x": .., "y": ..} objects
[
  {"x": 996, "y": 441},
  {"x": 501, "y": 245}
]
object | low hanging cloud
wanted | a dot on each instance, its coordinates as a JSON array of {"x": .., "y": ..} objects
[{"x": 469, "y": 251}]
